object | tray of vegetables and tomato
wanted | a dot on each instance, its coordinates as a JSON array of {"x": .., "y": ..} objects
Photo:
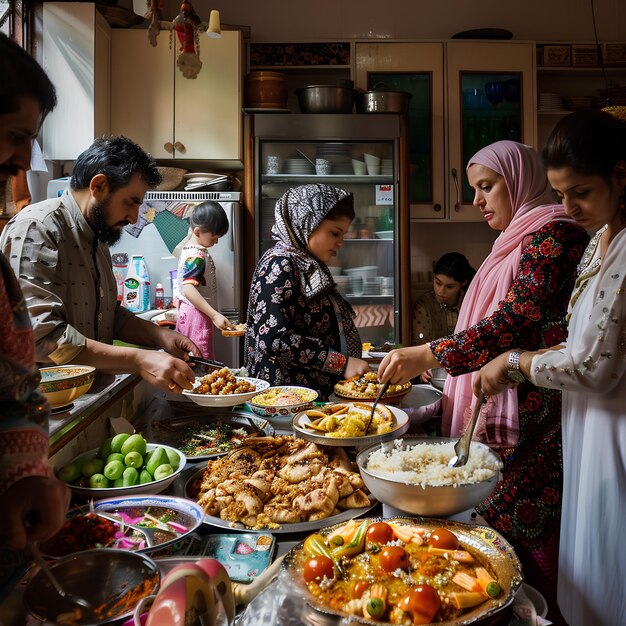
[{"x": 402, "y": 570}]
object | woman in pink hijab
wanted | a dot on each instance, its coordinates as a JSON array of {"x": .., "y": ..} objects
[{"x": 517, "y": 299}]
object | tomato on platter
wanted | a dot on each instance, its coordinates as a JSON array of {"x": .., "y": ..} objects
[
  {"x": 444, "y": 539},
  {"x": 379, "y": 532},
  {"x": 359, "y": 588},
  {"x": 392, "y": 558},
  {"x": 422, "y": 603},
  {"x": 317, "y": 567}
]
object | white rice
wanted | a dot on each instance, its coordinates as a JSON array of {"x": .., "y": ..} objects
[{"x": 426, "y": 464}]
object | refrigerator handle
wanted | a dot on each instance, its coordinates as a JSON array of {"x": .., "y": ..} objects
[{"x": 234, "y": 226}]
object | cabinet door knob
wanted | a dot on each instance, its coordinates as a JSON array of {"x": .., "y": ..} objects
[
  {"x": 437, "y": 208},
  {"x": 455, "y": 178},
  {"x": 180, "y": 147},
  {"x": 168, "y": 147}
]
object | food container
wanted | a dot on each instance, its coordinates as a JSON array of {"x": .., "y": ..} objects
[
  {"x": 495, "y": 550},
  {"x": 156, "y": 486},
  {"x": 438, "y": 377},
  {"x": 325, "y": 99},
  {"x": 113, "y": 581},
  {"x": 381, "y": 100},
  {"x": 266, "y": 90},
  {"x": 429, "y": 501},
  {"x": 63, "y": 384},
  {"x": 286, "y": 411}
]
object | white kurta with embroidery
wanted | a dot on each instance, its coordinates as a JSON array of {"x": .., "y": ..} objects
[{"x": 591, "y": 372}]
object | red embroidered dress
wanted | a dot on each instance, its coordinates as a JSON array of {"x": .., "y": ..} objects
[{"x": 525, "y": 506}]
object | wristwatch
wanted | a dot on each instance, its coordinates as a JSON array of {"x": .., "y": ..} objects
[{"x": 514, "y": 372}]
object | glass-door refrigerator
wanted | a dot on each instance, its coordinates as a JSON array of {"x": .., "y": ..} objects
[{"x": 361, "y": 154}]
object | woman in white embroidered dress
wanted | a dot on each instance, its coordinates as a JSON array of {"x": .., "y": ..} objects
[{"x": 586, "y": 160}]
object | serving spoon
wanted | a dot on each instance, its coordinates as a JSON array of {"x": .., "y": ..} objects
[
  {"x": 70, "y": 597},
  {"x": 462, "y": 446},
  {"x": 381, "y": 393}
]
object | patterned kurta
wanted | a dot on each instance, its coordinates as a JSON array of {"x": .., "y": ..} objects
[
  {"x": 525, "y": 506},
  {"x": 291, "y": 339}
]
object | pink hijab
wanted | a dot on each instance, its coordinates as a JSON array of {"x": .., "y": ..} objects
[{"x": 531, "y": 202}]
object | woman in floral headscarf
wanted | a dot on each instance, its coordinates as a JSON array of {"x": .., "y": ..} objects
[
  {"x": 300, "y": 330},
  {"x": 517, "y": 299}
]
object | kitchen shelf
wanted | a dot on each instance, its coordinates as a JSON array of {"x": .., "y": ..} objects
[
  {"x": 330, "y": 178},
  {"x": 348, "y": 239},
  {"x": 367, "y": 299}
]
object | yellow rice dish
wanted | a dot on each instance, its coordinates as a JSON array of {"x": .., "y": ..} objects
[{"x": 284, "y": 396}]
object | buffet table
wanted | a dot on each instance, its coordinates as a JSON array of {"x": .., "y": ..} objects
[{"x": 86, "y": 423}]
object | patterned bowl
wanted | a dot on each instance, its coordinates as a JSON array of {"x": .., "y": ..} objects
[
  {"x": 63, "y": 384},
  {"x": 274, "y": 402}
]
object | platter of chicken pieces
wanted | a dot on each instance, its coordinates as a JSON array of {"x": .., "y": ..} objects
[{"x": 282, "y": 484}]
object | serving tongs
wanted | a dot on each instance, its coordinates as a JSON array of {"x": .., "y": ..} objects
[
  {"x": 462, "y": 446},
  {"x": 210, "y": 364}
]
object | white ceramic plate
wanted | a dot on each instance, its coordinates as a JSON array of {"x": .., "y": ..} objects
[
  {"x": 301, "y": 420},
  {"x": 232, "y": 399},
  {"x": 156, "y": 486}
]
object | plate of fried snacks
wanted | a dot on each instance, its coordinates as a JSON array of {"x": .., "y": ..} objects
[
  {"x": 405, "y": 571},
  {"x": 221, "y": 388},
  {"x": 238, "y": 331},
  {"x": 344, "y": 424},
  {"x": 280, "y": 484},
  {"x": 365, "y": 387}
]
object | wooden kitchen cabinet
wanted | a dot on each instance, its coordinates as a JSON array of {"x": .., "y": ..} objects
[
  {"x": 465, "y": 94},
  {"x": 76, "y": 57},
  {"x": 170, "y": 116}
]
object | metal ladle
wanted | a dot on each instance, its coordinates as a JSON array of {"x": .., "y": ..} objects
[
  {"x": 462, "y": 446},
  {"x": 70, "y": 597}
]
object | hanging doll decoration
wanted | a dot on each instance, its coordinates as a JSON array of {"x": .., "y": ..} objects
[
  {"x": 186, "y": 25},
  {"x": 155, "y": 15}
]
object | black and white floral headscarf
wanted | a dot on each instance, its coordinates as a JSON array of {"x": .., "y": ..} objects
[{"x": 298, "y": 213}]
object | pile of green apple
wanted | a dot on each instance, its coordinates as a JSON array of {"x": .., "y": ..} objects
[{"x": 121, "y": 461}]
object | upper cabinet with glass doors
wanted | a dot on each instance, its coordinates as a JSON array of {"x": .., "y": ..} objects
[{"x": 465, "y": 95}]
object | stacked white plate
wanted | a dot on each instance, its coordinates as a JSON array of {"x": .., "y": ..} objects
[
  {"x": 550, "y": 102},
  {"x": 386, "y": 168},
  {"x": 340, "y": 155},
  {"x": 372, "y": 286},
  {"x": 199, "y": 180},
  {"x": 299, "y": 166}
]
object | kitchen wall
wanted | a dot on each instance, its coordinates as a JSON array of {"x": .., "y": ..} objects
[{"x": 289, "y": 20}]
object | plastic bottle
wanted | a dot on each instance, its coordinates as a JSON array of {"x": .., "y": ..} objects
[
  {"x": 137, "y": 285},
  {"x": 159, "y": 294}
]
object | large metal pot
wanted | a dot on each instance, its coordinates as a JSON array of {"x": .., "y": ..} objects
[
  {"x": 381, "y": 100},
  {"x": 325, "y": 99}
]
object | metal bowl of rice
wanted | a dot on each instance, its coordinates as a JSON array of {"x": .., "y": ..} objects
[{"x": 413, "y": 475}]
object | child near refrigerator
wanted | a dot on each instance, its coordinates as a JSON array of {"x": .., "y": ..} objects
[{"x": 195, "y": 289}]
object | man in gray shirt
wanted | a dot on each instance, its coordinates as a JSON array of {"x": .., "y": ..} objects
[{"x": 59, "y": 250}]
